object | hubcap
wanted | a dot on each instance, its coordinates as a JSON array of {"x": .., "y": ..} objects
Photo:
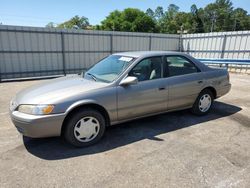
[
  {"x": 205, "y": 103},
  {"x": 86, "y": 129}
]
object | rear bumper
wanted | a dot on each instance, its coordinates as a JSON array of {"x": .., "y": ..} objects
[
  {"x": 37, "y": 126},
  {"x": 223, "y": 90}
]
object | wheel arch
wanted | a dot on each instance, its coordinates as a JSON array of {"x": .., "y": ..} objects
[
  {"x": 212, "y": 89},
  {"x": 81, "y": 105}
]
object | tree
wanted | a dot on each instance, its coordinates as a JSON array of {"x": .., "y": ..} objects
[
  {"x": 129, "y": 19},
  {"x": 172, "y": 10},
  {"x": 112, "y": 22},
  {"x": 97, "y": 27},
  {"x": 144, "y": 24},
  {"x": 75, "y": 22},
  {"x": 51, "y": 25},
  {"x": 150, "y": 13},
  {"x": 218, "y": 16},
  {"x": 241, "y": 21},
  {"x": 159, "y": 13},
  {"x": 167, "y": 22},
  {"x": 197, "y": 23},
  {"x": 194, "y": 9}
]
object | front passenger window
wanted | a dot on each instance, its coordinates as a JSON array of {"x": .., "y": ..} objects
[
  {"x": 147, "y": 69},
  {"x": 179, "y": 66}
]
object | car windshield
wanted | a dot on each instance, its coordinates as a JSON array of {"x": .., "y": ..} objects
[{"x": 109, "y": 68}]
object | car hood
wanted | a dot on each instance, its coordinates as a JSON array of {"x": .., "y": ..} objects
[{"x": 55, "y": 90}]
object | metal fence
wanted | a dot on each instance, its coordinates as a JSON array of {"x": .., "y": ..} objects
[
  {"x": 35, "y": 52},
  {"x": 220, "y": 45},
  {"x": 230, "y": 50}
]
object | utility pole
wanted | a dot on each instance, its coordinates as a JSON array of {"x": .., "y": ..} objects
[
  {"x": 213, "y": 22},
  {"x": 113, "y": 27},
  {"x": 180, "y": 40},
  {"x": 181, "y": 29},
  {"x": 235, "y": 23},
  {"x": 180, "y": 44}
]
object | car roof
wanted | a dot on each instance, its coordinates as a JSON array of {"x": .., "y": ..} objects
[
  {"x": 137, "y": 54},
  {"x": 145, "y": 54}
]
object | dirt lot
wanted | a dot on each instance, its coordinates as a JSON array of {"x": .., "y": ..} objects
[{"x": 172, "y": 150}]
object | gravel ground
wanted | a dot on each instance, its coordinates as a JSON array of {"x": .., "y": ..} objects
[{"x": 171, "y": 150}]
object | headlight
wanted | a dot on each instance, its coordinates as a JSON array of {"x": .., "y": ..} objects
[{"x": 36, "y": 109}]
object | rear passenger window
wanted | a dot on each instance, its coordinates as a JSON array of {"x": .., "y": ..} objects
[{"x": 179, "y": 66}]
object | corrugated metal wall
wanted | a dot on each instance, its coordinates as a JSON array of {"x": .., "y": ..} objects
[
  {"x": 31, "y": 51},
  {"x": 228, "y": 45}
]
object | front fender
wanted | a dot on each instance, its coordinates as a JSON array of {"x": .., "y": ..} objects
[{"x": 80, "y": 103}]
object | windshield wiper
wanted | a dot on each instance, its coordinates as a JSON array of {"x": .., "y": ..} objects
[{"x": 92, "y": 76}]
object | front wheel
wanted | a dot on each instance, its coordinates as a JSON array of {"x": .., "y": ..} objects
[
  {"x": 84, "y": 128},
  {"x": 203, "y": 102}
]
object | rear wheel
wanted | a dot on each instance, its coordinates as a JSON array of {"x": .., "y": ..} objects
[
  {"x": 203, "y": 102},
  {"x": 84, "y": 128}
]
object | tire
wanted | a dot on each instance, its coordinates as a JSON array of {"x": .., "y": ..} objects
[
  {"x": 84, "y": 128},
  {"x": 200, "y": 108}
]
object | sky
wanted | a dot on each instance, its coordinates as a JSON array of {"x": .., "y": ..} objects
[{"x": 40, "y": 12}]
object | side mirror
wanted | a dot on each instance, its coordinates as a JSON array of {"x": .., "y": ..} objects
[{"x": 129, "y": 81}]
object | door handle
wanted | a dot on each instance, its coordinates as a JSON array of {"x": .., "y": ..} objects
[
  {"x": 200, "y": 82},
  {"x": 161, "y": 88}
]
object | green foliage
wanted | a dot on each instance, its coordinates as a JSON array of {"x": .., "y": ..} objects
[
  {"x": 217, "y": 16},
  {"x": 241, "y": 20},
  {"x": 150, "y": 13},
  {"x": 75, "y": 22},
  {"x": 129, "y": 19},
  {"x": 159, "y": 13},
  {"x": 51, "y": 25}
]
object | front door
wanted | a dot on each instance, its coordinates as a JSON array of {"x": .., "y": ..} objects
[{"x": 148, "y": 96}]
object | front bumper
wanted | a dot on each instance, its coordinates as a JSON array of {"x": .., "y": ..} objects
[{"x": 37, "y": 126}]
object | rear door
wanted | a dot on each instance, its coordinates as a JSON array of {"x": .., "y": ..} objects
[{"x": 185, "y": 81}]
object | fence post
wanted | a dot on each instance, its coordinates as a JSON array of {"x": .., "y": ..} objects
[
  {"x": 150, "y": 43},
  {"x": 180, "y": 43},
  {"x": 223, "y": 46},
  {"x": 63, "y": 52},
  {"x": 111, "y": 43},
  {"x": 0, "y": 76}
]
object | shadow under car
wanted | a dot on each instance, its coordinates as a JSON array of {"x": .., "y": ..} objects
[{"x": 126, "y": 133}]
